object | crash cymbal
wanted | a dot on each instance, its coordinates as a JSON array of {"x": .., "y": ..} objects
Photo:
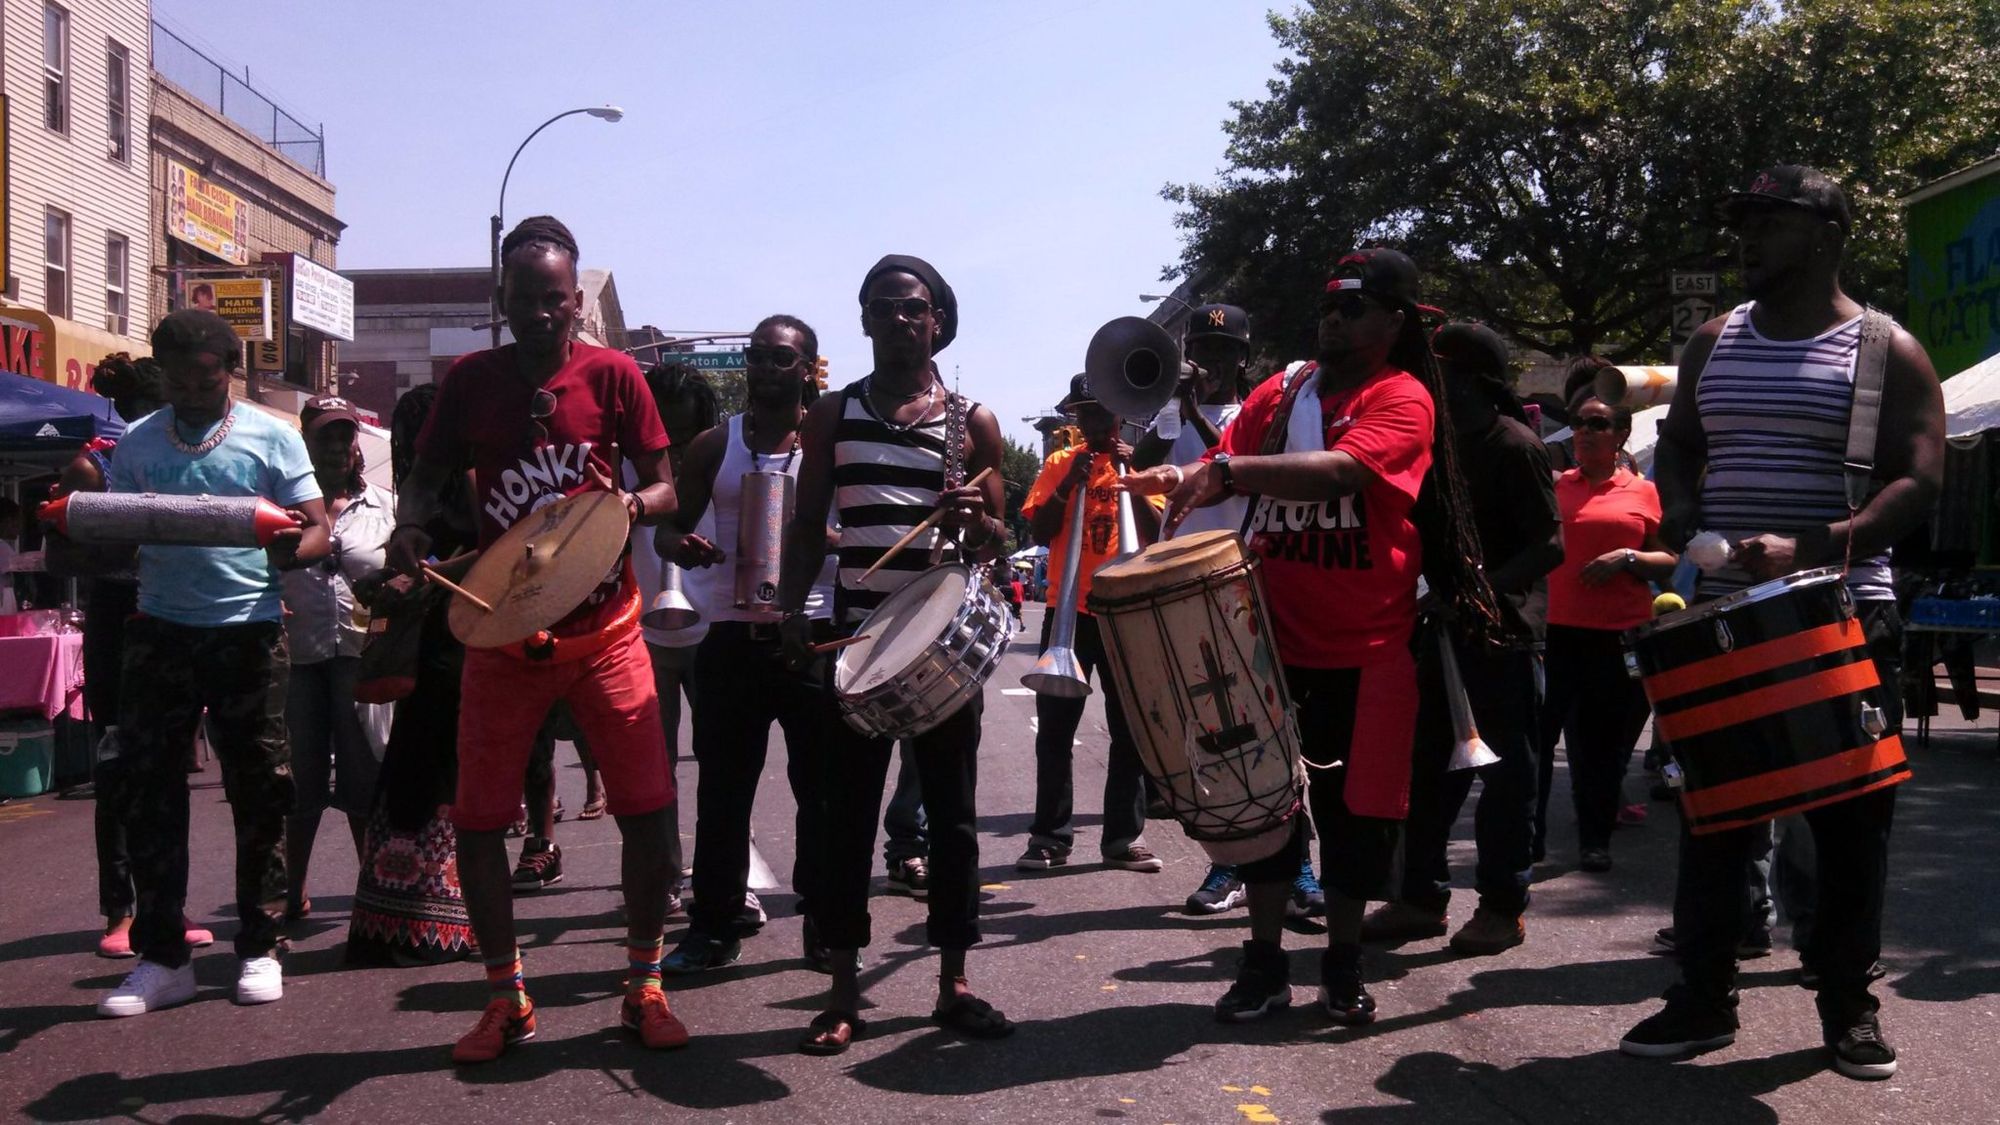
[{"x": 541, "y": 569}]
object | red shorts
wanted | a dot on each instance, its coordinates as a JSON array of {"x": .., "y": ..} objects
[{"x": 504, "y": 700}]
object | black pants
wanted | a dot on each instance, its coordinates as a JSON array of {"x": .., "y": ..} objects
[
  {"x": 111, "y": 604},
  {"x": 1356, "y": 853},
  {"x": 847, "y": 771},
  {"x": 1851, "y": 849},
  {"x": 1055, "y": 749},
  {"x": 1599, "y": 710},
  {"x": 238, "y": 674},
  {"x": 1501, "y": 685},
  {"x": 744, "y": 687}
]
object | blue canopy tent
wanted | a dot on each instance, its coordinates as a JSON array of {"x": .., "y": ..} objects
[{"x": 43, "y": 425}]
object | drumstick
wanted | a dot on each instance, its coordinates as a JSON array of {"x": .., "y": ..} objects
[
  {"x": 843, "y": 642},
  {"x": 455, "y": 588},
  {"x": 929, "y": 522}
]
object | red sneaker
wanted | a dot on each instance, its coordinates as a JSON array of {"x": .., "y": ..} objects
[
  {"x": 647, "y": 1013},
  {"x": 500, "y": 1026}
]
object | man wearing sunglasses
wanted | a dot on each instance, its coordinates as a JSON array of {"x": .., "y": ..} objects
[
  {"x": 538, "y": 419},
  {"x": 1332, "y": 458},
  {"x": 739, "y": 675},
  {"x": 891, "y": 450},
  {"x": 1766, "y": 443},
  {"x": 1514, "y": 505}
]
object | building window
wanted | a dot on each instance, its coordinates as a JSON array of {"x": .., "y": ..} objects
[
  {"x": 55, "y": 68},
  {"x": 55, "y": 300},
  {"x": 118, "y": 99},
  {"x": 117, "y": 310}
]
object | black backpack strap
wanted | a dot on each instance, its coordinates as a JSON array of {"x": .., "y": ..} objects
[{"x": 1864, "y": 419}]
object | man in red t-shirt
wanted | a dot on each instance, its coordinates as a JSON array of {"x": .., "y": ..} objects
[
  {"x": 1333, "y": 459},
  {"x": 537, "y": 420}
]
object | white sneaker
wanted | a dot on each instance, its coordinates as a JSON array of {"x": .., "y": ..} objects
[
  {"x": 260, "y": 981},
  {"x": 148, "y": 987}
]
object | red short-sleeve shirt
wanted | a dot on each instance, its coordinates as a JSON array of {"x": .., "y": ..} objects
[
  {"x": 1618, "y": 514},
  {"x": 482, "y": 418},
  {"x": 1342, "y": 574}
]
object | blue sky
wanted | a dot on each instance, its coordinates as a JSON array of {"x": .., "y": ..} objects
[{"x": 771, "y": 152}]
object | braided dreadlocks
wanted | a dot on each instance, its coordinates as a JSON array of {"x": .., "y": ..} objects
[
  {"x": 1453, "y": 554},
  {"x": 539, "y": 230}
]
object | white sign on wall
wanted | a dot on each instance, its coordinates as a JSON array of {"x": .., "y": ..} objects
[{"x": 322, "y": 299}]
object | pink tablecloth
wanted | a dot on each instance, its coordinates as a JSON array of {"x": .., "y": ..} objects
[{"x": 43, "y": 674}]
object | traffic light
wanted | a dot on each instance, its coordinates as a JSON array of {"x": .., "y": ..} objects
[{"x": 819, "y": 372}]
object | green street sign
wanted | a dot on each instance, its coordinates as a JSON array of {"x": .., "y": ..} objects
[{"x": 729, "y": 359}]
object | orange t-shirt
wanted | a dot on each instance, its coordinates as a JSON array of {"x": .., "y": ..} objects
[
  {"x": 1619, "y": 514},
  {"x": 1100, "y": 517}
]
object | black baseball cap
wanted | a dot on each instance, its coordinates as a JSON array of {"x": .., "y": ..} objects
[
  {"x": 1079, "y": 393},
  {"x": 188, "y": 331},
  {"x": 1379, "y": 272},
  {"x": 1789, "y": 185},
  {"x": 1218, "y": 320}
]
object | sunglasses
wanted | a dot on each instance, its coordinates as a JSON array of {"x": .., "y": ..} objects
[
  {"x": 541, "y": 408},
  {"x": 777, "y": 358},
  {"x": 1349, "y": 305},
  {"x": 886, "y": 308},
  {"x": 1595, "y": 425}
]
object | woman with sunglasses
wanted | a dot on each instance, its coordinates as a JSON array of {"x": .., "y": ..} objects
[{"x": 1611, "y": 533}]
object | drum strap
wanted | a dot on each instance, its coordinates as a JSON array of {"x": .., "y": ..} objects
[
  {"x": 1871, "y": 362},
  {"x": 955, "y": 410}
]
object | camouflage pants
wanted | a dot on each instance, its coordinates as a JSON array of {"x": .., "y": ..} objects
[{"x": 237, "y": 674}]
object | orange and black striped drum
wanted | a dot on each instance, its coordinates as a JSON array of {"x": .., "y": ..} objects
[{"x": 1769, "y": 701}]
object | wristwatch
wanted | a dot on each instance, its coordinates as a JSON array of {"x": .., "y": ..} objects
[
  {"x": 1224, "y": 473},
  {"x": 1631, "y": 558}
]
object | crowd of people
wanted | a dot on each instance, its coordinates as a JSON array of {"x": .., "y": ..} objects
[{"x": 1413, "y": 530}]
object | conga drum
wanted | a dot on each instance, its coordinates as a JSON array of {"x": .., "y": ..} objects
[
  {"x": 1769, "y": 701},
  {"x": 1192, "y": 656}
]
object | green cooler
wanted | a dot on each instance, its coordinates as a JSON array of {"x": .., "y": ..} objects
[{"x": 27, "y": 756}]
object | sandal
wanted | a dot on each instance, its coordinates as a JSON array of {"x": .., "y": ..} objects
[
  {"x": 825, "y": 1033},
  {"x": 973, "y": 1018},
  {"x": 592, "y": 810}
]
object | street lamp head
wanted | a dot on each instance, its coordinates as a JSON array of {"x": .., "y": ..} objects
[{"x": 607, "y": 112}]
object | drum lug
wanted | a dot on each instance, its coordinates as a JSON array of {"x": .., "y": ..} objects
[
  {"x": 1724, "y": 639},
  {"x": 1671, "y": 774},
  {"x": 1632, "y": 665},
  {"x": 1874, "y": 720},
  {"x": 1846, "y": 602}
]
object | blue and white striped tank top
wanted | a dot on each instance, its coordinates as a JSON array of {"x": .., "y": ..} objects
[
  {"x": 1775, "y": 416},
  {"x": 885, "y": 482}
]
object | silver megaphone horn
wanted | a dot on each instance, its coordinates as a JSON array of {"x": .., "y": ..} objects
[
  {"x": 1469, "y": 751},
  {"x": 671, "y": 608}
]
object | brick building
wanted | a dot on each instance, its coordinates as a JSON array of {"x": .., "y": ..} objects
[
  {"x": 239, "y": 193},
  {"x": 76, "y": 259}
]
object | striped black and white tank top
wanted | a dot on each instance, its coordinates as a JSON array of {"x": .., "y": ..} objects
[
  {"x": 885, "y": 482},
  {"x": 1775, "y": 416}
]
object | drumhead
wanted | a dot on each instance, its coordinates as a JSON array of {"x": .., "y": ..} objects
[
  {"x": 1167, "y": 564},
  {"x": 1763, "y": 591},
  {"x": 901, "y": 628}
]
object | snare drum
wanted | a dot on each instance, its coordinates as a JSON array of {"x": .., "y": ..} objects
[
  {"x": 1769, "y": 701},
  {"x": 930, "y": 648},
  {"x": 1191, "y": 652}
]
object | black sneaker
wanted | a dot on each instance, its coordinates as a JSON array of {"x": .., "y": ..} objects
[
  {"x": 911, "y": 877},
  {"x": 1860, "y": 1051},
  {"x": 698, "y": 953},
  {"x": 1594, "y": 860},
  {"x": 1042, "y": 857},
  {"x": 1342, "y": 996},
  {"x": 1220, "y": 891},
  {"x": 1684, "y": 1026},
  {"x": 1263, "y": 985},
  {"x": 1808, "y": 977},
  {"x": 539, "y": 867}
]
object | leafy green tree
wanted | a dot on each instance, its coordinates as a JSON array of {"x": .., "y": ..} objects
[
  {"x": 1549, "y": 162},
  {"x": 1019, "y": 466}
]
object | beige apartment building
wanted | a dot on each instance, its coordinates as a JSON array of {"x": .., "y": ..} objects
[{"x": 77, "y": 256}]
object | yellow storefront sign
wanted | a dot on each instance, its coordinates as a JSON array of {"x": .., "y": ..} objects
[{"x": 206, "y": 215}]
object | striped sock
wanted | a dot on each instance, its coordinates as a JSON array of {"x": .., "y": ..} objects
[
  {"x": 504, "y": 978},
  {"x": 645, "y": 962}
]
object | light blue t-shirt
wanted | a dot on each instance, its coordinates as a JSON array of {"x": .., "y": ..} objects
[{"x": 211, "y": 586}]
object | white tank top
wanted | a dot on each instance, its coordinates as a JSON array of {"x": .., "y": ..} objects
[{"x": 725, "y": 500}]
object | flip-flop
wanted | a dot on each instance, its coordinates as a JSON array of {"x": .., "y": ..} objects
[
  {"x": 973, "y": 1018},
  {"x": 592, "y": 811},
  {"x": 824, "y": 1031}
]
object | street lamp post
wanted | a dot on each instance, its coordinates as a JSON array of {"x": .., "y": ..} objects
[
  {"x": 1166, "y": 297},
  {"x": 604, "y": 112}
]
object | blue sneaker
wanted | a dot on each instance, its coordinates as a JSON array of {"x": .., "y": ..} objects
[
  {"x": 1307, "y": 899},
  {"x": 1221, "y": 891}
]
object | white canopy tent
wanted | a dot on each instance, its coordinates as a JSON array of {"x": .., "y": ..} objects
[{"x": 1972, "y": 401}]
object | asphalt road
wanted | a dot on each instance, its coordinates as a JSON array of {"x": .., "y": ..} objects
[{"x": 1110, "y": 983}]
